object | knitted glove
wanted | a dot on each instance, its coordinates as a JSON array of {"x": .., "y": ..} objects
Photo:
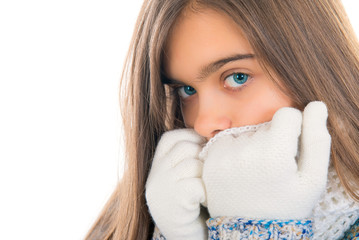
[
  {"x": 259, "y": 173},
  {"x": 174, "y": 188}
]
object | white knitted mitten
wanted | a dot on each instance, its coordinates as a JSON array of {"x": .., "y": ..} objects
[
  {"x": 174, "y": 188},
  {"x": 260, "y": 174}
]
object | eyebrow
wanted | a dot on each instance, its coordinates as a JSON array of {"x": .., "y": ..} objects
[
  {"x": 210, "y": 68},
  {"x": 214, "y": 66}
]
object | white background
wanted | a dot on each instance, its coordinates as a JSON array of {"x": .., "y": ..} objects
[{"x": 60, "y": 65}]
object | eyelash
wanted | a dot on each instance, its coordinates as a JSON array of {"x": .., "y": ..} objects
[{"x": 176, "y": 88}]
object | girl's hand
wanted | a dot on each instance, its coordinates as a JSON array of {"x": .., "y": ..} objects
[
  {"x": 174, "y": 189},
  {"x": 261, "y": 174}
]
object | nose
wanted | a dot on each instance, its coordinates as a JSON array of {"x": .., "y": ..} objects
[{"x": 212, "y": 117}]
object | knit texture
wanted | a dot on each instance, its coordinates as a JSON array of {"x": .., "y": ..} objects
[
  {"x": 353, "y": 232},
  {"x": 157, "y": 235},
  {"x": 255, "y": 174},
  {"x": 230, "y": 131},
  {"x": 174, "y": 188},
  {"x": 333, "y": 215},
  {"x": 237, "y": 228},
  {"x": 335, "y": 212}
]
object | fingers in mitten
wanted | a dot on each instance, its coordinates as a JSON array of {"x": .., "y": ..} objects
[
  {"x": 171, "y": 138},
  {"x": 191, "y": 193},
  {"x": 181, "y": 151},
  {"x": 286, "y": 125},
  {"x": 188, "y": 168},
  {"x": 315, "y": 141}
]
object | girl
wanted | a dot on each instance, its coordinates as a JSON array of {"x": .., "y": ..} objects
[{"x": 213, "y": 67}]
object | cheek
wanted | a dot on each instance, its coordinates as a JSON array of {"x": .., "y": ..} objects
[
  {"x": 261, "y": 103},
  {"x": 189, "y": 113}
]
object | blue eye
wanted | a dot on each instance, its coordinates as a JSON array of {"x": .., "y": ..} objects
[
  {"x": 235, "y": 80},
  {"x": 186, "y": 91}
]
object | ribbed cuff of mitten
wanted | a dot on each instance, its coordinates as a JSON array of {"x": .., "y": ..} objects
[
  {"x": 353, "y": 232},
  {"x": 157, "y": 235},
  {"x": 239, "y": 228}
]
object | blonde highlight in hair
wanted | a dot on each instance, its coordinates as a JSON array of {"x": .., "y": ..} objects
[{"x": 309, "y": 45}]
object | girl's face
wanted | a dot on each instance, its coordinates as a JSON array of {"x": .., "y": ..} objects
[{"x": 217, "y": 75}]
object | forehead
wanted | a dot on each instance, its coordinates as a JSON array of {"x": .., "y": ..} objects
[{"x": 200, "y": 37}]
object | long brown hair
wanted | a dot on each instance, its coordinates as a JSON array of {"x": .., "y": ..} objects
[{"x": 309, "y": 45}]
